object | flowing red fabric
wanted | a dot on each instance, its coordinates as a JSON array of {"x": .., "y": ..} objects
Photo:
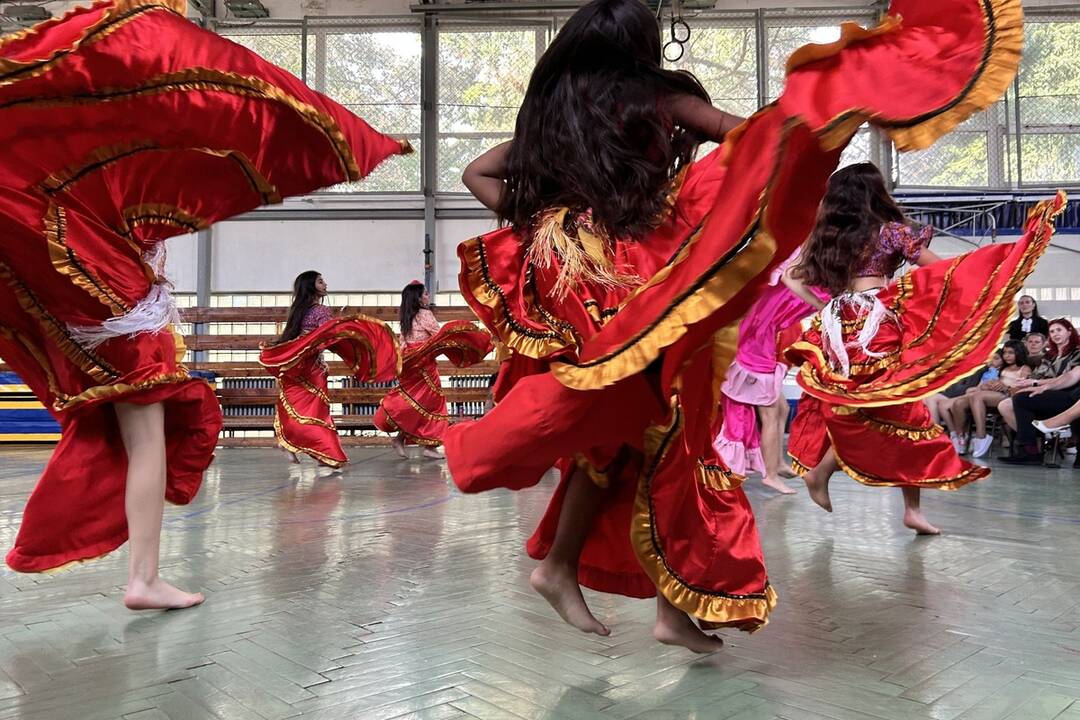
[
  {"x": 631, "y": 392},
  {"x": 416, "y": 407},
  {"x": 947, "y": 320},
  {"x": 302, "y": 421},
  {"x": 124, "y": 124}
]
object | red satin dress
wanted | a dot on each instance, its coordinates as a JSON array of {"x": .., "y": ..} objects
[
  {"x": 302, "y": 420},
  {"x": 124, "y": 124},
  {"x": 416, "y": 406},
  {"x": 942, "y": 322},
  {"x": 618, "y": 379}
]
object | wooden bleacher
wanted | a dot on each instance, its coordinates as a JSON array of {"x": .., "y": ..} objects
[{"x": 248, "y": 394}]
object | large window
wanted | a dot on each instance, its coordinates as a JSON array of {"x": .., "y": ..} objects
[
  {"x": 1050, "y": 102},
  {"x": 373, "y": 67},
  {"x": 483, "y": 73},
  {"x": 280, "y": 45},
  {"x": 376, "y": 74}
]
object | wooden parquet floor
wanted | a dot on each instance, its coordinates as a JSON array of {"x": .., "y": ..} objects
[{"x": 381, "y": 593}]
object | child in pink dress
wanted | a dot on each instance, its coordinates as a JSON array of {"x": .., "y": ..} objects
[{"x": 752, "y": 392}]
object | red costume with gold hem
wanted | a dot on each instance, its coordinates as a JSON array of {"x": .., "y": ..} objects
[
  {"x": 620, "y": 380},
  {"x": 113, "y": 143},
  {"x": 416, "y": 407},
  {"x": 302, "y": 421},
  {"x": 943, "y": 322}
]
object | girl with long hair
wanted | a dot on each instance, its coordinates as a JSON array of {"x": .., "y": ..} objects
[
  {"x": 621, "y": 272},
  {"x": 111, "y": 170},
  {"x": 1028, "y": 320},
  {"x": 1052, "y": 388},
  {"x": 302, "y": 419},
  {"x": 415, "y": 410},
  {"x": 877, "y": 349},
  {"x": 986, "y": 396}
]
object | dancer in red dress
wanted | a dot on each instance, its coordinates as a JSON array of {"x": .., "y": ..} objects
[
  {"x": 112, "y": 144},
  {"x": 302, "y": 421},
  {"x": 620, "y": 280},
  {"x": 416, "y": 408},
  {"x": 876, "y": 350}
]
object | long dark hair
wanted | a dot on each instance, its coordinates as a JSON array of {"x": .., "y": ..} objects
[
  {"x": 855, "y": 206},
  {"x": 304, "y": 297},
  {"x": 410, "y": 306},
  {"x": 1034, "y": 311},
  {"x": 1074, "y": 340},
  {"x": 592, "y": 132},
  {"x": 1020, "y": 354}
]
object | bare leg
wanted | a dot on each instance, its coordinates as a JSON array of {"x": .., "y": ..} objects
[
  {"x": 913, "y": 515},
  {"x": 979, "y": 404},
  {"x": 958, "y": 411},
  {"x": 817, "y": 480},
  {"x": 1005, "y": 407},
  {"x": 933, "y": 404},
  {"x": 945, "y": 407},
  {"x": 399, "y": 445},
  {"x": 142, "y": 429},
  {"x": 772, "y": 438},
  {"x": 674, "y": 627},
  {"x": 555, "y": 578}
]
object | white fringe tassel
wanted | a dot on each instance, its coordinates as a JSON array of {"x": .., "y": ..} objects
[
  {"x": 154, "y": 313},
  {"x": 832, "y": 326}
]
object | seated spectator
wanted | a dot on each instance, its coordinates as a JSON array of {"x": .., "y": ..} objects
[
  {"x": 1052, "y": 389},
  {"x": 1028, "y": 319},
  {"x": 940, "y": 403},
  {"x": 978, "y": 400},
  {"x": 1036, "y": 349}
]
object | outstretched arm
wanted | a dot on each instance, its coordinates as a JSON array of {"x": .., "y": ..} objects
[
  {"x": 693, "y": 113},
  {"x": 486, "y": 174}
]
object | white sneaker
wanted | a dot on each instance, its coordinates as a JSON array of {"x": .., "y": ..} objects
[
  {"x": 980, "y": 446},
  {"x": 1046, "y": 429},
  {"x": 960, "y": 443}
]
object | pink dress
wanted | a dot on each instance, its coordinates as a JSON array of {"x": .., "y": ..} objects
[{"x": 756, "y": 376}]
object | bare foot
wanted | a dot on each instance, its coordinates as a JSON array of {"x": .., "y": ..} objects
[
  {"x": 817, "y": 484},
  {"x": 559, "y": 586},
  {"x": 679, "y": 629},
  {"x": 158, "y": 595},
  {"x": 778, "y": 485},
  {"x": 915, "y": 520},
  {"x": 787, "y": 474},
  {"x": 430, "y": 452},
  {"x": 399, "y": 447}
]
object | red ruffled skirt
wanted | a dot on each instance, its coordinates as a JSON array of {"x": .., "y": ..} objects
[
  {"x": 302, "y": 421},
  {"x": 113, "y": 144},
  {"x": 942, "y": 322},
  {"x": 416, "y": 407},
  {"x": 621, "y": 384}
]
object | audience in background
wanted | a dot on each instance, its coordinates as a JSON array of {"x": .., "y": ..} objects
[
  {"x": 986, "y": 396},
  {"x": 1035, "y": 343},
  {"x": 940, "y": 403},
  {"x": 1052, "y": 389},
  {"x": 1027, "y": 319}
]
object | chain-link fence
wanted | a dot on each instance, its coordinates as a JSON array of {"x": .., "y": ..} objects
[{"x": 373, "y": 67}]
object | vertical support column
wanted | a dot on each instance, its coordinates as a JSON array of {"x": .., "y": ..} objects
[
  {"x": 762, "y": 44},
  {"x": 1018, "y": 124},
  {"x": 203, "y": 278},
  {"x": 304, "y": 61},
  {"x": 429, "y": 129},
  {"x": 995, "y": 156}
]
